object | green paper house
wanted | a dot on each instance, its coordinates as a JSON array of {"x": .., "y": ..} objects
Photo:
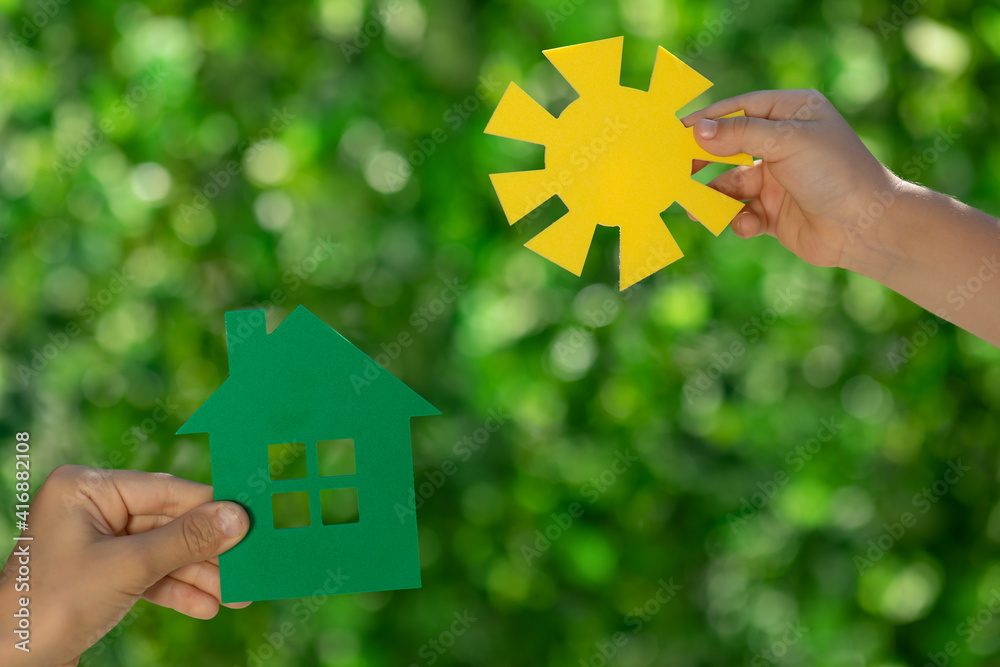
[{"x": 313, "y": 439}]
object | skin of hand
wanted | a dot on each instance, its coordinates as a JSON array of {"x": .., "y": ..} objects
[
  {"x": 102, "y": 540},
  {"x": 824, "y": 196}
]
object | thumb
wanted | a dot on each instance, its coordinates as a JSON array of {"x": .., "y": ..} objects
[
  {"x": 204, "y": 532},
  {"x": 769, "y": 140}
]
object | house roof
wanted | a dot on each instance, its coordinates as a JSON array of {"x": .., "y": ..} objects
[{"x": 302, "y": 374}]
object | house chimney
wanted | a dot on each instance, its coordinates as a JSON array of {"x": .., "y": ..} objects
[{"x": 246, "y": 332}]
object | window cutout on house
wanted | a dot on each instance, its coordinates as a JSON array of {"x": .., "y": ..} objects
[
  {"x": 291, "y": 510},
  {"x": 286, "y": 461},
  {"x": 336, "y": 457},
  {"x": 339, "y": 506}
]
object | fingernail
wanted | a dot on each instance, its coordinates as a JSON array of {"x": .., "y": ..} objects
[
  {"x": 706, "y": 128},
  {"x": 229, "y": 522}
]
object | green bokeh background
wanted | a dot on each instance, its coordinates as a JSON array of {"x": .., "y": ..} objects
[{"x": 327, "y": 212}]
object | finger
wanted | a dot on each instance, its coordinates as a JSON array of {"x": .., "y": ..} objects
[
  {"x": 236, "y": 605},
  {"x": 767, "y": 139},
  {"x": 202, "y": 533},
  {"x": 769, "y": 104},
  {"x": 747, "y": 223},
  {"x": 753, "y": 221},
  {"x": 183, "y": 597},
  {"x": 742, "y": 183},
  {"x": 140, "y": 524},
  {"x": 204, "y": 576},
  {"x": 159, "y": 493},
  {"x": 768, "y": 224}
]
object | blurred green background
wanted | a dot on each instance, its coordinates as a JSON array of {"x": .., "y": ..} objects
[{"x": 161, "y": 163}]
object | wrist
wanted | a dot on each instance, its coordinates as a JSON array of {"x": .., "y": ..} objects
[{"x": 878, "y": 239}]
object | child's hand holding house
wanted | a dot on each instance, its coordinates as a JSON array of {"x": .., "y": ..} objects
[{"x": 105, "y": 538}]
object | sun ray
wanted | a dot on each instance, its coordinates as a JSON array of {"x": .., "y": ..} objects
[
  {"x": 566, "y": 241},
  {"x": 646, "y": 247},
  {"x": 713, "y": 209},
  {"x": 674, "y": 82},
  {"x": 519, "y": 116},
  {"x": 591, "y": 68},
  {"x": 521, "y": 192}
]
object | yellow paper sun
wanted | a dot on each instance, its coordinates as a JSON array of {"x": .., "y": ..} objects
[{"x": 616, "y": 156}]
